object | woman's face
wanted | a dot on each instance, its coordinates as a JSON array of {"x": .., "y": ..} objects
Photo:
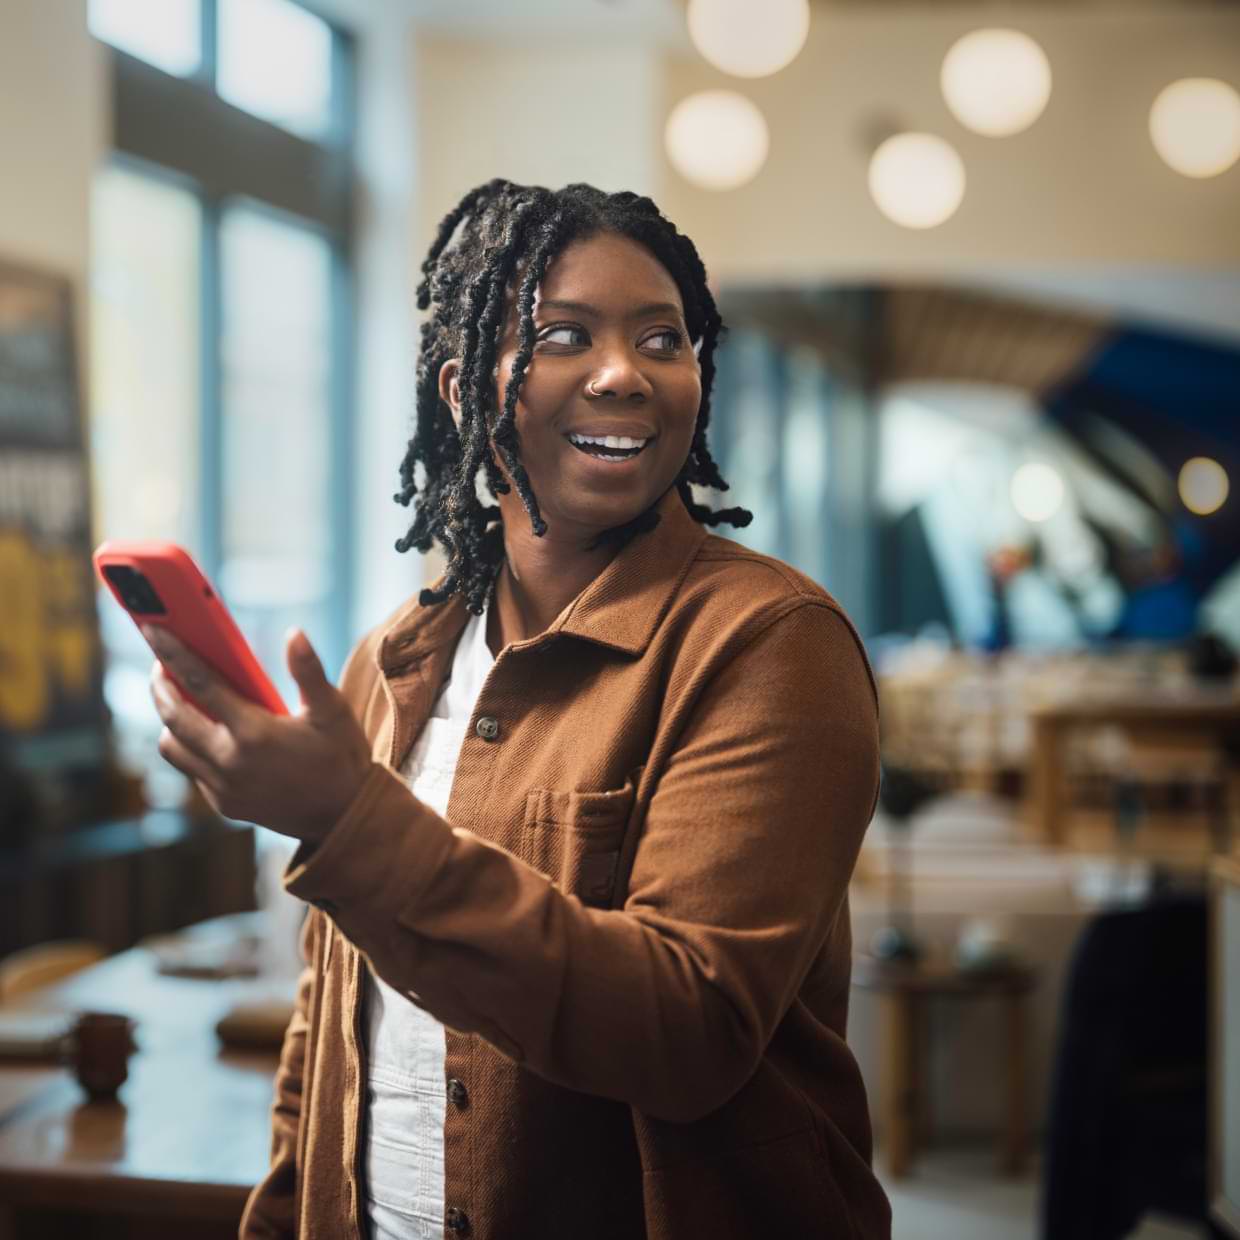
[{"x": 612, "y": 357}]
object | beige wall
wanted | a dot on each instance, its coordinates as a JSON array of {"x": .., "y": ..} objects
[
  {"x": 53, "y": 133},
  {"x": 545, "y": 113}
]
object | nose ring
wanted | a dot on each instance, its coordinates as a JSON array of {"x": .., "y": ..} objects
[{"x": 590, "y": 389}]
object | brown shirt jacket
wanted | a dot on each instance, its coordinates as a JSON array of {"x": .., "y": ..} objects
[{"x": 635, "y": 928}]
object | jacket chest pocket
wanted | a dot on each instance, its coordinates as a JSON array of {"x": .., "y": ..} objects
[{"x": 576, "y": 838}]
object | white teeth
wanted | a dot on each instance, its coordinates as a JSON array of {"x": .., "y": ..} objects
[{"x": 610, "y": 441}]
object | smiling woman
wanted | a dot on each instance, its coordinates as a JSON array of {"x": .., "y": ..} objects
[{"x": 578, "y": 824}]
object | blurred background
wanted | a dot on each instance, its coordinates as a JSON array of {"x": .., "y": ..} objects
[{"x": 981, "y": 267}]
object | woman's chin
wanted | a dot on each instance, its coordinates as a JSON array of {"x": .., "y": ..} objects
[{"x": 595, "y": 512}]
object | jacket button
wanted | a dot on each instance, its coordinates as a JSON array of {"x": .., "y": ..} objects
[
  {"x": 487, "y": 728},
  {"x": 458, "y": 1094},
  {"x": 457, "y": 1220}
]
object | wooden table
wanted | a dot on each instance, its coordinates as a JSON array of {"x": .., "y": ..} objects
[
  {"x": 177, "y": 1153},
  {"x": 905, "y": 990}
]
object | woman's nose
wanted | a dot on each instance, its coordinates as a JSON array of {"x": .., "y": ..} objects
[{"x": 621, "y": 379}]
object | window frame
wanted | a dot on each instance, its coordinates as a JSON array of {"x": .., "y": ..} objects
[{"x": 159, "y": 120}]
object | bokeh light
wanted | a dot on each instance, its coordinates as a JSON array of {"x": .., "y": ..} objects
[
  {"x": 1037, "y": 491},
  {"x": 916, "y": 179},
  {"x": 1195, "y": 126},
  {"x": 1203, "y": 485},
  {"x": 995, "y": 81},
  {"x": 748, "y": 39},
  {"x": 717, "y": 139}
]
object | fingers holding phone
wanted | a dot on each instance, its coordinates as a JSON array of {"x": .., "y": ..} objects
[{"x": 294, "y": 774}]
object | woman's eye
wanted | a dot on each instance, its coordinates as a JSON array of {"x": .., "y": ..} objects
[
  {"x": 562, "y": 334},
  {"x": 666, "y": 341}
]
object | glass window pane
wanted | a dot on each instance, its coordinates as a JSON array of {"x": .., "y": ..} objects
[
  {"x": 276, "y": 402},
  {"x": 754, "y": 459},
  {"x": 145, "y": 367},
  {"x": 804, "y": 462},
  {"x": 275, "y": 60},
  {"x": 166, "y": 33},
  {"x": 145, "y": 408}
]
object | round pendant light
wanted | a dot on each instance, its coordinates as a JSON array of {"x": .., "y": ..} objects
[
  {"x": 717, "y": 139},
  {"x": 916, "y": 179},
  {"x": 996, "y": 81},
  {"x": 749, "y": 38},
  {"x": 1195, "y": 126}
]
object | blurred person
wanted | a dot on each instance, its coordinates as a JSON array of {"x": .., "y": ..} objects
[{"x": 578, "y": 825}]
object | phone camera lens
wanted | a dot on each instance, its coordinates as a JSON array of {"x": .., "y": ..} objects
[{"x": 136, "y": 591}]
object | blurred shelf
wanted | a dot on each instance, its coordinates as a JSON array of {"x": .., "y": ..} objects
[{"x": 117, "y": 882}]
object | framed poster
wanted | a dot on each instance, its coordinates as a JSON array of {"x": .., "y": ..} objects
[{"x": 52, "y": 715}]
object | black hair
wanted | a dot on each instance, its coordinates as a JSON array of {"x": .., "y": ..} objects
[{"x": 509, "y": 234}]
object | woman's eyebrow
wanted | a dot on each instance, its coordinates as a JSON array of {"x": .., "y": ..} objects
[{"x": 584, "y": 308}]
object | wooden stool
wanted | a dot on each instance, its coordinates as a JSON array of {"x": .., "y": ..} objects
[{"x": 905, "y": 990}]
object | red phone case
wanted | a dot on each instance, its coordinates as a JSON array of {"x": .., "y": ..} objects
[{"x": 193, "y": 612}]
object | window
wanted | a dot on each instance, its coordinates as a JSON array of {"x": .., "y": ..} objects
[
  {"x": 272, "y": 58},
  {"x": 221, "y": 294},
  {"x": 275, "y": 60},
  {"x": 756, "y": 392},
  {"x": 276, "y": 427},
  {"x": 146, "y": 378},
  {"x": 164, "y": 33},
  {"x": 804, "y": 462}
]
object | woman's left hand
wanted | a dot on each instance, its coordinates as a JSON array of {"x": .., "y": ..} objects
[{"x": 296, "y": 774}]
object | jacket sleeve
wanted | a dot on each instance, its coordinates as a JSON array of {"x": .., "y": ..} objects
[
  {"x": 269, "y": 1212},
  {"x": 747, "y": 848}
]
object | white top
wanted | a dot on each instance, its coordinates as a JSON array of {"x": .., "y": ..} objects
[{"x": 407, "y": 1094}]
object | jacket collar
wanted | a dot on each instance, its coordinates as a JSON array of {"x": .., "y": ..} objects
[{"x": 620, "y": 608}]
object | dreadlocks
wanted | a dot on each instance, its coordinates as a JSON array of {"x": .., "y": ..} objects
[{"x": 509, "y": 234}]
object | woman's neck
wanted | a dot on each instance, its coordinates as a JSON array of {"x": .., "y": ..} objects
[{"x": 538, "y": 579}]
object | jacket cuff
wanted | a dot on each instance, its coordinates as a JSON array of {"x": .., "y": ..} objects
[{"x": 375, "y": 861}]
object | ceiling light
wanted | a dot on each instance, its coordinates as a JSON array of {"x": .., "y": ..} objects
[
  {"x": 1195, "y": 126},
  {"x": 996, "y": 82},
  {"x": 717, "y": 139},
  {"x": 749, "y": 38},
  {"x": 916, "y": 179}
]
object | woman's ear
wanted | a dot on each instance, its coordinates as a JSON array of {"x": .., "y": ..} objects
[{"x": 450, "y": 387}]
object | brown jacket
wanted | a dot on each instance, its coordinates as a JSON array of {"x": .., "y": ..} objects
[{"x": 635, "y": 928}]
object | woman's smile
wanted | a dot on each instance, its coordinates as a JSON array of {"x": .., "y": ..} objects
[{"x": 608, "y": 456}]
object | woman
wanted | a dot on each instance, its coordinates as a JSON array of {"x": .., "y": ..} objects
[{"x": 578, "y": 826}]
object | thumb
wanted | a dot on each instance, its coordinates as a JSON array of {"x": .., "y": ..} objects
[{"x": 317, "y": 692}]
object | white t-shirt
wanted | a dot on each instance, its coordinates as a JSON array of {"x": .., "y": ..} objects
[{"x": 407, "y": 1094}]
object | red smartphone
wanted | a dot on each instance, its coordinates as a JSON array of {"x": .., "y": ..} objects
[{"x": 158, "y": 583}]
